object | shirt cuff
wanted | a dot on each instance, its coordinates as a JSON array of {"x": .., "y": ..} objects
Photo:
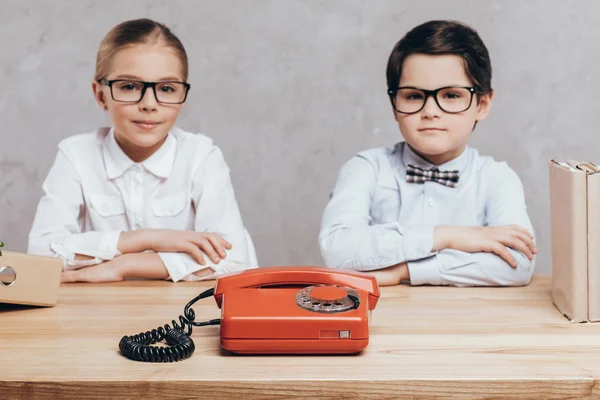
[
  {"x": 417, "y": 242},
  {"x": 182, "y": 265},
  {"x": 174, "y": 265},
  {"x": 100, "y": 246},
  {"x": 425, "y": 271}
]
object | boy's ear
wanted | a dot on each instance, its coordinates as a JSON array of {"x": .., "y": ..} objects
[
  {"x": 484, "y": 105},
  {"x": 99, "y": 94},
  {"x": 395, "y": 113}
]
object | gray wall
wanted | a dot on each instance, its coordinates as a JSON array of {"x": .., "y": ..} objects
[{"x": 292, "y": 89}]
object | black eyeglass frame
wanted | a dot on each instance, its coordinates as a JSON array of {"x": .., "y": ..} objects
[
  {"x": 472, "y": 89},
  {"x": 152, "y": 85}
]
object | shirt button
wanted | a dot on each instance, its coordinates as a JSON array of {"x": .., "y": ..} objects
[
  {"x": 431, "y": 202},
  {"x": 172, "y": 209}
]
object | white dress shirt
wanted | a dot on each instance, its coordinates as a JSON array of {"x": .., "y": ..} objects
[
  {"x": 375, "y": 218},
  {"x": 94, "y": 191}
]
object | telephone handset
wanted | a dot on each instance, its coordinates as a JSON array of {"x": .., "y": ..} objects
[
  {"x": 292, "y": 276},
  {"x": 274, "y": 310}
]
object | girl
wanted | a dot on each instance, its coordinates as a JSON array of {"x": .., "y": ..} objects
[{"x": 142, "y": 199}]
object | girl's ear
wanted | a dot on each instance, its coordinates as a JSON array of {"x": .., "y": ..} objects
[{"x": 97, "y": 88}]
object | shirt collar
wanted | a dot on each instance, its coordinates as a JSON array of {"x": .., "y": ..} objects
[
  {"x": 409, "y": 156},
  {"x": 117, "y": 162},
  {"x": 161, "y": 162}
]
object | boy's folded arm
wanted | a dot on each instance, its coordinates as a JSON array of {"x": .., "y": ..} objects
[
  {"x": 458, "y": 268},
  {"x": 505, "y": 205},
  {"x": 56, "y": 230},
  {"x": 348, "y": 241},
  {"x": 367, "y": 248}
]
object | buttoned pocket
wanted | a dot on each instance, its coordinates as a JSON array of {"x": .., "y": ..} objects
[
  {"x": 169, "y": 206},
  {"x": 107, "y": 205}
]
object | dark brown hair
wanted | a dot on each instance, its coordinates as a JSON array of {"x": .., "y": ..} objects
[
  {"x": 443, "y": 37},
  {"x": 136, "y": 31}
]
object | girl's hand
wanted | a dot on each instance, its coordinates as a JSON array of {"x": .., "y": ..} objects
[
  {"x": 108, "y": 271},
  {"x": 193, "y": 243},
  {"x": 138, "y": 265}
]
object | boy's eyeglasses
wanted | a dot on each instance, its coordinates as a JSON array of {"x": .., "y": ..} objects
[
  {"x": 450, "y": 99},
  {"x": 132, "y": 91}
]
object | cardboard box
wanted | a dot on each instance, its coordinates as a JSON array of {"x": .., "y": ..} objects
[{"x": 29, "y": 279}]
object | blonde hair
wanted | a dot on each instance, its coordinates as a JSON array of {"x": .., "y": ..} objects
[{"x": 137, "y": 31}]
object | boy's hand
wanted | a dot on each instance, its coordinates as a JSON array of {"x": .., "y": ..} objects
[
  {"x": 193, "y": 243},
  {"x": 391, "y": 275},
  {"x": 489, "y": 239}
]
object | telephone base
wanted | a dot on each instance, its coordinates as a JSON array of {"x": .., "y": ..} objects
[{"x": 294, "y": 346}]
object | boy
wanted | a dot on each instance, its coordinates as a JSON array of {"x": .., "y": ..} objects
[{"x": 432, "y": 210}]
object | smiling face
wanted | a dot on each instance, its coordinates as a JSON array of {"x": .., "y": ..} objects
[
  {"x": 142, "y": 127},
  {"x": 436, "y": 135}
]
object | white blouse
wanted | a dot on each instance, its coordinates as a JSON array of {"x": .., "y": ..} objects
[{"x": 94, "y": 191}]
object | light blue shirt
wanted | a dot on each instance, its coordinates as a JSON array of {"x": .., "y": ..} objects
[{"x": 375, "y": 218}]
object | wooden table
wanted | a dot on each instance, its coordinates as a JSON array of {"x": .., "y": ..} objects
[{"x": 426, "y": 343}]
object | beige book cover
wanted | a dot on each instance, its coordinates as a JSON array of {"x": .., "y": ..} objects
[
  {"x": 575, "y": 235},
  {"x": 28, "y": 279}
]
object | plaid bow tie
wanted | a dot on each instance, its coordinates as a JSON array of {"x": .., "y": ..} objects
[{"x": 420, "y": 175}]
